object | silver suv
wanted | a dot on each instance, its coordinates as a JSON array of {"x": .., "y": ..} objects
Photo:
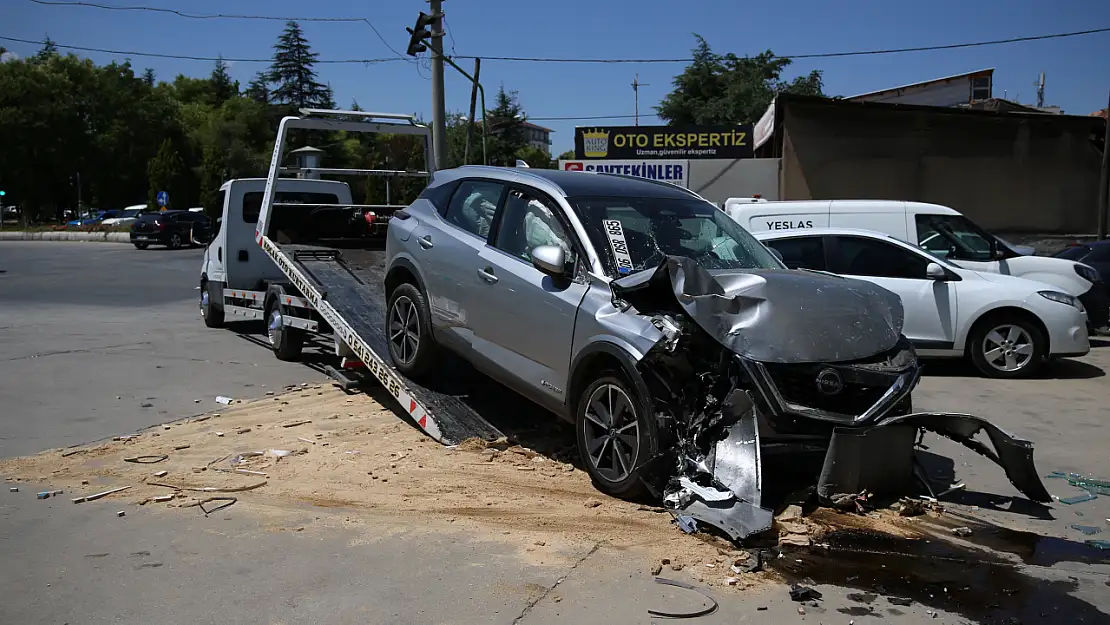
[{"x": 519, "y": 272}]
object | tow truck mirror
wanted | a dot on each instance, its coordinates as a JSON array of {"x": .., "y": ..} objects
[
  {"x": 550, "y": 259},
  {"x": 777, "y": 253}
]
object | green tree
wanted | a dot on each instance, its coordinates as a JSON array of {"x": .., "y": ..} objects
[
  {"x": 211, "y": 177},
  {"x": 535, "y": 157},
  {"x": 164, "y": 172},
  {"x": 258, "y": 89},
  {"x": 293, "y": 74},
  {"x": 223, "y": 87},
  {"x": 727, "y": 89},
  {"x": 506, "y": 128},
  {"x": 49, "y": 49},
  {"x": 566, "y": 156}
]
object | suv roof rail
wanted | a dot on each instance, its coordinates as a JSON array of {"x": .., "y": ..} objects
[{"x": 365, "y": 115}]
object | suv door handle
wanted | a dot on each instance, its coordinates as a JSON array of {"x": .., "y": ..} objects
[
  {"x": 487, "y": 275},
  {"x": 425, "y": 241}
]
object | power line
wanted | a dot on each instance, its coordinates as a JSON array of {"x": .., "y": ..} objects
[
  {"x": 226, "y": 16},
  {"x": 198, "y": 58},
  {"x": 823, "y": 55},
  {"x": 588, "y": 117}
]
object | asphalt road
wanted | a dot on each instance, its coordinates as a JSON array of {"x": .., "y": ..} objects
[
  {"x": 83, "y": 324},
  {"x": 101, "y": 339}
]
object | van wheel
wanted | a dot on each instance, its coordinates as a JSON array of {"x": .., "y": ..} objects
[
  {"x": 1007, "y": 346},
  {"x": 408, "y": 329},
  {"x": 615, "y": 432},
  {"x": 211, "y": 306},
  {"x": 286, "y": 342}
]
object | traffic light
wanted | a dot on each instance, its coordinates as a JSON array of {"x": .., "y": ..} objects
[{"x": 419, "y": 34}]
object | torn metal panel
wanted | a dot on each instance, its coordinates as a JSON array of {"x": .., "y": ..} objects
[
  {"x": 736, "y": 518},
  {"x": 736, "y": 460},
  {"x": 876, "y": 459},
  {"x": 1014, "y": 455},
  {"x": 772, "y": 315}
]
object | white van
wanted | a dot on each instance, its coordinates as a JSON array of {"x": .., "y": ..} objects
[{"x": 935, "y": 228}]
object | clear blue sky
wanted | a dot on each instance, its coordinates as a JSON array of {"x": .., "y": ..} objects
[{"x": 1078, "y": 69}]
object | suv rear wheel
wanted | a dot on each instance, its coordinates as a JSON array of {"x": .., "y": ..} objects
[
  {"x": 409, "y": 331},
  {"x": 616, "y": 435}
]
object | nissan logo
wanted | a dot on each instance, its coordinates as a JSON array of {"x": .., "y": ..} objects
[{"x": 829, "y": 382}]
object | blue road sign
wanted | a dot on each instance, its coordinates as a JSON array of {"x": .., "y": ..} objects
[{"x": 163, "y": 198}]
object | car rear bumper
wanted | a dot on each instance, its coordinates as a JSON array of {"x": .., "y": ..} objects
[
  {"x": 147, "y": 237},
  {"x": 1097, "y": 302}
]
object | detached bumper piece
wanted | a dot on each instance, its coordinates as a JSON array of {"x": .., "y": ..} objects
[{"x": 724, "y": 390}]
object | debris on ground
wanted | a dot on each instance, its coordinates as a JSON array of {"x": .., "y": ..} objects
[
  {"x": 1089, "y": 530},
  {"x": 1098, "y": 544},
  {"x": 99, "y": 495},
  {"x": 792, "y": 512},
  {"x": 902, "y": 601},
  {"x": 152, "y": 459},
  {"x": 693, "y": 614},
  {"x": 803, "y": 593},
  {"x": 226, "y": 401},
  {"x": 961, "y": 531},
  {"x": 910, "y": 507}
]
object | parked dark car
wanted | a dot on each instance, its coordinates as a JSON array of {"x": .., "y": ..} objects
[
  {"x": 174, "y": 229},
  {"x": 1095, "y": 254}
]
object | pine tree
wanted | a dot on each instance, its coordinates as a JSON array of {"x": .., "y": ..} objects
[
  {"x": 506, "y": 128},
  {"x": 148, "y": 77},
  {"x": 49, "y": 49},
  {"x": 223, "y": 88},
  {"x": 258, "y": 89},
  {"x": 164, "y": 172},
  {"x": 292, "y": 72}
]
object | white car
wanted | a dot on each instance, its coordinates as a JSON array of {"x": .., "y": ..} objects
[
  {"x": 127, "y": 217},
  {"x": 1007, "y": 326}
]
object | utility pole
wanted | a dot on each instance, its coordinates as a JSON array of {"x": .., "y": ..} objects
[
  {"x": 1104, "y": 179},
  {"x": 636, "y": 84},
  {"x": 473, "y": 101},
  {"x": 439, "y": 106}
]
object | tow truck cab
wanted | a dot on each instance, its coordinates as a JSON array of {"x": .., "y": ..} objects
[{"x": 233, "y": 259}]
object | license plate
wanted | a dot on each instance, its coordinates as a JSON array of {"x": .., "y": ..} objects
[{"x": 141, "y": 238}]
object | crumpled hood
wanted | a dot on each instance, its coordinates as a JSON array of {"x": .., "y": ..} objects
[{"x": 773, "y": 315}]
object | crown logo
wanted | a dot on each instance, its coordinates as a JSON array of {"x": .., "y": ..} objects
[{"x": 595, "y": 143}]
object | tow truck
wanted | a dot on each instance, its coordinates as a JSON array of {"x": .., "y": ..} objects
[{"x": 298, "y": 254}]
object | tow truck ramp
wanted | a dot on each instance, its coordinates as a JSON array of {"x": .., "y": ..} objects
[{"x": 353, "y": 302}]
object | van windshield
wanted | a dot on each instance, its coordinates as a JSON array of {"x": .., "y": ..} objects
[
  {"x": 956, "y": 237},
  {"x": 632, "y": 234}
]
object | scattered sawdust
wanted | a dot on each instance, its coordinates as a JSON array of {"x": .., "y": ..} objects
[{"x": 397, "y": 477}]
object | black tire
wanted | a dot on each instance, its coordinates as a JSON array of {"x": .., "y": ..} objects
[
  {"x": 175, "y": 242},
  {"x": 615, "y": 461},
  {"x": 1007, "y": 346},
  {"x": 211, "y": 306},
  {"x": 141, "y": 246},
  {"x": 408, "y": 315},
  {"x": 286, "y": 342}
]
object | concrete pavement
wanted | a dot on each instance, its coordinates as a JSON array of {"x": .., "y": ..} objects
[
  {"x": 81, "y": 325},
  {"x": 101, "y": 340}
]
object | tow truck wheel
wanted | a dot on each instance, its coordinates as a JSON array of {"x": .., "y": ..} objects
[
  {"x": 409, "y": 330},
  {"x": 210, "y": 309},
  {"x": 286, "y": 342},
  {"x": 613, "y": 427},
  {"x": 1007, "y": 346}
]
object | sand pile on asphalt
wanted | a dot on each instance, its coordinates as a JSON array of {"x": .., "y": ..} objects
[{"x": 351, "y": 457}]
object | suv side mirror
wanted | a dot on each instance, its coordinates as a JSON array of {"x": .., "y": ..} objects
[
  {"x": 550, "y": 259},
  {"x": 935, "y": 272}
]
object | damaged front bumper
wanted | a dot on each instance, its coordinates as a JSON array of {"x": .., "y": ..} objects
[{"x": 731, "y": 386}]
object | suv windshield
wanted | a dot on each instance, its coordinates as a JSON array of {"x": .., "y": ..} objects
[
  {"x": 956, "y": 237},
  {"x": 632, "y": 234}
]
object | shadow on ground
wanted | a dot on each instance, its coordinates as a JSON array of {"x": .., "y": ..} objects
[{"x": 1061, "y": 369}]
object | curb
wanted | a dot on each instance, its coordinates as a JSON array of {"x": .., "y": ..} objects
[{"x": 98, "y": 237}]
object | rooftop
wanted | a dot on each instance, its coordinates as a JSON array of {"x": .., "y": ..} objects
[{"x": 924, "y": 83}]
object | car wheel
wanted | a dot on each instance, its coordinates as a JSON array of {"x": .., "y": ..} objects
[
  {"x": 409, "y": 331},
  {"x": 211, "y": 307},
  {"x": 286, "y": 342},
  {"x": 141, "y": 246},
  {"x": 615, "y": 434},
  {"x": 1007, "y": 346},
  {"x": 175, "y": 241}
]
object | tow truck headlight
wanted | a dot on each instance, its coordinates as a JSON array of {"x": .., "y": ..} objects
[
  {"x": 1062, "y": 298},
  {"x": 1088, "y": 273}
]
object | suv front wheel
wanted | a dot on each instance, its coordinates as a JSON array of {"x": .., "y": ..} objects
[{"x": 616, "y": 435}]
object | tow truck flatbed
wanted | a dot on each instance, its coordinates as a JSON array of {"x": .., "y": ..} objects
[{"x": 342, "y": 284}]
